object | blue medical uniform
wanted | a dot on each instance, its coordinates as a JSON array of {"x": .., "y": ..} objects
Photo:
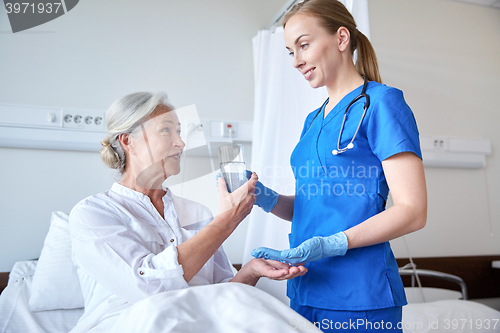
[{"x": 336, "y": 192}]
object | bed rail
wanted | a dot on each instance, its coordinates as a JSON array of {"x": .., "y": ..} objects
[{"x": 435, "y": 274}]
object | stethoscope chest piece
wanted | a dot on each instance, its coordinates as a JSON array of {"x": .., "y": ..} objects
[{"x": 349, "y": 146}]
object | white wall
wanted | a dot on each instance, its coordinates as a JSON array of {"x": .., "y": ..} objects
[
  {"x": 199, "y": 52},
  {"x": 445, "y": 56}
]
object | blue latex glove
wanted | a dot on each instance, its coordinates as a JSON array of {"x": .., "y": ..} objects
[
  {"x": 313, "y": 249},
  {"x": 266, "y": 198}
]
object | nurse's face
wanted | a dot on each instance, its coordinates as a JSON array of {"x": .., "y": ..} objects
[
  {"x": 157, "y": 148},
  {"x": 315, "y": 51}
]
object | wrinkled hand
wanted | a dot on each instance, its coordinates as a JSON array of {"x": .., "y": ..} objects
[
  {"x": 313, "y": 249},
  {"x": 276, "y": 270},
  {"x": 234, "y": 207}
]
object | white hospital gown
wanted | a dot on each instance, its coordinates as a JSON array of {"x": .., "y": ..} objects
[{"x": 125, "y": 251}]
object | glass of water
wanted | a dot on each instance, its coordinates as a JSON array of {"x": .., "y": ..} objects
[{"x": 232, "y": 166}]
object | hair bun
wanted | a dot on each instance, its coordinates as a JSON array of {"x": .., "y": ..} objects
[{"x": 109, "y": 155}]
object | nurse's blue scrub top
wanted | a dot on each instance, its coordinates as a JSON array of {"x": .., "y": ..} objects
[{"x": 335, "y": 193}]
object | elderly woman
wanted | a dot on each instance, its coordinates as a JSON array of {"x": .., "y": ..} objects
[{"x": 138, "y": 239}]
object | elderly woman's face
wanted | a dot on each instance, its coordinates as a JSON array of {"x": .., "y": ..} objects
[{"x": 157, "y": 148}]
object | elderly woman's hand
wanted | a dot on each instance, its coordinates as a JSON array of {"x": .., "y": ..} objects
[
  {"x": 234, "y": 207},
  {"x": 271, "y": 269},
  {"x": 276, "y": 270}
]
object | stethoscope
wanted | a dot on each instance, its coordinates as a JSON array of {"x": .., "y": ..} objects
[{"x": 350, "y": 145}]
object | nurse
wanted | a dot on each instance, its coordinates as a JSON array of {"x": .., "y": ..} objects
[{"x": 340, "y": 227}]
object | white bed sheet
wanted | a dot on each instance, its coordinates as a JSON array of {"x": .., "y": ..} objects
[
  {"x": 229, "y": 307},
  {"x": 17, "y": 317},
  {"x": 220, "y": 308},
  {"x": 450, "y": 316}
]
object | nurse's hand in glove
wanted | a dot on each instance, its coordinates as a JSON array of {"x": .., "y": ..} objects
[
  {"x": 313, "y": 249},
  {"x": 266, "y": 198}
]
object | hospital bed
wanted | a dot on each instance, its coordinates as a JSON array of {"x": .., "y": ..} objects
[
  {"x": 50, "y": 285},
  {"x": 432, "y": 309}
]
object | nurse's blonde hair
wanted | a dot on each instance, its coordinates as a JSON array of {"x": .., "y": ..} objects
[
  {"x": 332, "y": 15},
  {"x": 124, "y": 116}
]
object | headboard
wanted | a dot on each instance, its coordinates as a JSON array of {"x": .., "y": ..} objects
[
  {"x": 482, "y": 280},
  {"x": 4, "y": 278}
]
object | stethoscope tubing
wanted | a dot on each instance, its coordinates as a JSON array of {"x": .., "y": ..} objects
[{"x": 350, "y": 145}]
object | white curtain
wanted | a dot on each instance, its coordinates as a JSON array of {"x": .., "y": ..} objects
[{"x": 283, "y": 98}]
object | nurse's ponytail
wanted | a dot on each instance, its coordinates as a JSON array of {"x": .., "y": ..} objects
[
  {"x": 332, "y": 15},
  {"x": 366, "y": 62}
]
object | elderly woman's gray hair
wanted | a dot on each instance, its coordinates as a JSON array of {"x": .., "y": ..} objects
[{"x": 125, "y": 115}]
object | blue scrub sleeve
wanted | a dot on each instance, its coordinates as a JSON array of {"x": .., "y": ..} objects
[{"x": 392, "y": 128}]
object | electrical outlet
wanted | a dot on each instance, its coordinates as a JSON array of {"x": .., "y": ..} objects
[
  {"x": 83, "y": 120},
  {"x": 228, "y": 129},
  {"x": 440, "y": 143}
]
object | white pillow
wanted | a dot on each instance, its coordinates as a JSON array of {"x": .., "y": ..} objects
[{"x": 55, "y": 282}]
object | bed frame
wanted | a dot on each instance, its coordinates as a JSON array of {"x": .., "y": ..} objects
[{"x": 416, "y": 274}]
